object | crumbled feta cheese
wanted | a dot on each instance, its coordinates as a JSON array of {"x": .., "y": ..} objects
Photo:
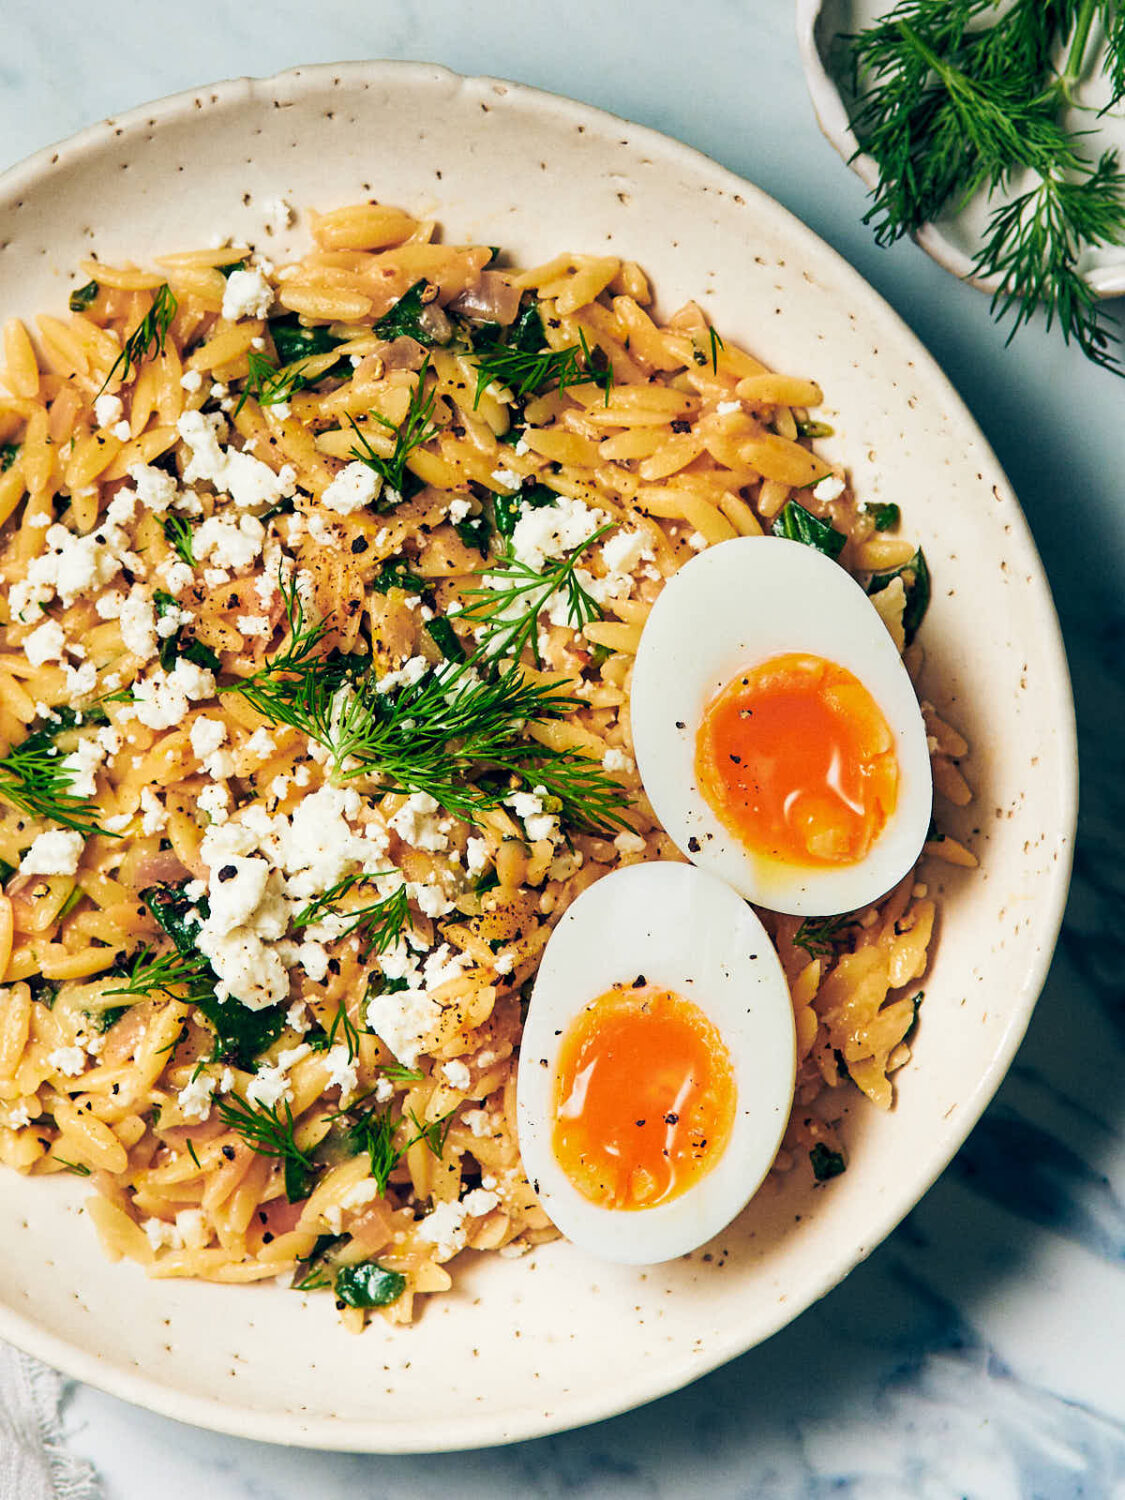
[
  {"x": 477, "y": 855},
  {"x": 194, "y": 1098},
  {"x": 344, "y": 1072},
  {"x": 83, "y": 763},
  {"x": 235, "y": 892},
  {"x": 269, "y": 1087},
  {"x": 728, "y": 408},
  {"x": 629, "y": 843},
  {"x": 504, "y": 963},
  {"x": 458, "y": 510},
  {"x": 404, "y": 1021},
  {"x": 508, "y": 478},
  {"x": 297, "y": 1018},
  {"x": 419, "y": 822},
  {"x": 697, "y": 541},
  {"x": 617, "y": 760},
  {"x": 479, "y": 1122},
  {"x": 108, "y": 410},
  {"x": 191, "y": 380},
  {"x": 54, "y": 853},
  {"x": 247, "y": 480},
  {"x": 313, "y": 959},
  {"x": 206, "y": 736},
  {"x": 72, "y": 565},
  {"x": 70, "y": 1061},
  {"x": 354, "y": 487},
  {"x": 247, "y": 295},
  {"x": 191, "y": 1226},
  {"x": 410, "y": 672},
  {"x": 831, "y": 487},
  {"x": 122, "y": 432},
  {"x": 45, "y": 644},
  {"x": 625, "y": 550},
  {"x": 162, "y": 699},
  {"x": 457, "y": 1073},
  {"x": 214, "y": 800},
  {"x": 479, "y": 1202},
  {"x": 231, "y": 544},
  {"x": 175, "y": 575},
  {"x": 552, "y": 530},
  {"x": 529, "y": 808},
  {"x": 159, "y": 1234},
  {"x": 138, "y": 624},
  {"x": 155, "y": 489},
  {"x": 444, "y": 1227},
  {"x": 154, "y": 817},
  {"x": 254, "y": 625}
]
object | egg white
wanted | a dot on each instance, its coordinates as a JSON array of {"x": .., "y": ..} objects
[
  {"x": 688, "y": 932},
  {"x": 732, "y": 607}
]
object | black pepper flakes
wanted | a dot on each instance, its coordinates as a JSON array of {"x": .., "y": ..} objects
[{"x": 228, "y": 872}]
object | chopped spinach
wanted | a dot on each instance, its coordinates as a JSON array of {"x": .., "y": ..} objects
[
  {"x": 294, "y": 341},
  {"x": 915, "y": 577},
  {"x": 404, "y": 320},
  {"x": 9, "y": 452},
  {"x": 475, "y": 532},
  {"x": 826, "y": 1164},
  {"x": 311, "y": 1275},
  {"x": 83, "y": 297},
  {"x": 183, "y": 643},
  {"x": 811, "y": 429},
  {"x": 397, "y": 575},
  {"x": 104, "y": 1019},
  {"x": 232, "y": 266},
  {"x": 6, "y": 870},
  {"x": 444, "y": 637},
  {"x": 885, "y": 514},
  {"x": 368, "y": 1285},
  {"x": 241, "y": 1034},
  {"x": 800, "y": 525}
]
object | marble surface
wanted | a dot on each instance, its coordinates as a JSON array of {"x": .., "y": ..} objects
[{"x": 981, "y": 1351}]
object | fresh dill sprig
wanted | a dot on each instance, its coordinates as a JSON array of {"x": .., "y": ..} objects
[
  {"x": 817, "y": 935},
  {"x": 271, "y": 384},
  {"x": 509, "y": 609},
  {"x": 374, "y": 1132},
  {"x": 379, "y": 925},
  {"x": 148, "y": 338},
  {"x": 434, "y": 1133},
  {"x": 151, "y": 972},
  {"x": 400, "y": 1073},
  {"x": 527, "y": 372},
  {"x": 270, "y": 1133},
  {"x": 177, "y": 532},
  {"x": 458, "y": 733},
  {"x": 949, "y": 107},
  {"x": 417, "y": 427},
  {"x": 35, "y": 778}
]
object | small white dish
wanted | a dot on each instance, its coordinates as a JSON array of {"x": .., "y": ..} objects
[
  {"x": 525, "y": 1347},
  {"x": 954, "y": 239}
]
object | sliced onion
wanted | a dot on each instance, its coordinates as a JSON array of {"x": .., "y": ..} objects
[{"x": 493, "y": 300}]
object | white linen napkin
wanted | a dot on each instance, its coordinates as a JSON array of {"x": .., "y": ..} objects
[{"x": 34, "y": 1464}]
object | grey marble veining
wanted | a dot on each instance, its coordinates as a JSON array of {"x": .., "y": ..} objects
[{"x": 980, "y": 1352}]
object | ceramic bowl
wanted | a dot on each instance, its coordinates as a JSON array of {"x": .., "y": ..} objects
[
  {"x": 522, "y": 1347},
  {"x": 954, "y": 239}
]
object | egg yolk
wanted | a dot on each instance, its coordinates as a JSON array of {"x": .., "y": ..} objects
[
  {"x": 644, "y": 1097},
  {"x": 795, "y": 757}
]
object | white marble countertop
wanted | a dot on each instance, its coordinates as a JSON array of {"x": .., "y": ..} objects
[{"x": 981, "y": 1351}]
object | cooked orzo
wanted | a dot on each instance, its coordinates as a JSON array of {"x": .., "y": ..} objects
[{"x": 322, "y": 587}]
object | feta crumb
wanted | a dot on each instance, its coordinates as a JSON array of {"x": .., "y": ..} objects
[
  {"x": 629, "y": 843},
  {"x": 194, "y": 1098},
  {"x": 727, "y": 408},
  {"x": 138, "y": 624},
  {"x": 214, "y": 800},
  {"x": 457, "y": 1073},
  {"x": 247, "y": 295},
  {"x": 70, "y": 1061},
  {"x": 155, "y": 489},
  {"x": 617, "y": 760},
  {"x": 479, "y": 1202},
  {"x": 108, "y": 410},
  {"x": 444, "y": 1227},
  {"x": 458, "y": 510},
  {"x": 831, "y": 487},
  {"x": 354, "y": 487},
  {"x": 191, "y": 380},
  {"x": 54, "y": 853},
  {"x": 45, "y": 643},
  {"x": 344, "y": 1072}
]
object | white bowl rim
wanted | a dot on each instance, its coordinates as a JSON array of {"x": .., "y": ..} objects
[
  {"x": 469, "y": 1430},
  {"x": 1105, "y": 280}
]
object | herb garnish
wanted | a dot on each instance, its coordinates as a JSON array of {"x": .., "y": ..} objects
[
  {"x": 949, "y": 109},
  {"x": 379, "y": 925},
  {"x": 34, "y": 778},
  {"x": 9, "y": 452},
  {"x": 817, "y": 935},
  {"x": 148, "y": 338},
  {"x": 509, "y": 609},
  {"x": 444, "y": 637},
  {"x": 177, "y": 533},
  {"x": 507, "y": 509},
  {"x": 182, "y": 643},
  {"x": 526, "y": 372},
  {"x": 295, "y": 340},
  {"x": 270, "y": 1133},
  {"x": 416, "y": 428},
  {"x": 457, "y": 733},
  {"x": 886, "y": 515},
  {"x": 83, "y": 297}
]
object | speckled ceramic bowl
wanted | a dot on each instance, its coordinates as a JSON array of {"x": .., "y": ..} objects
[
  {"x": 954, "y": 239},
  {"x": 523, "y": 1347}
]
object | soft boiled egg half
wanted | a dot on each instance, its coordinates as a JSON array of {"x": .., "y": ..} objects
[
  {"x": 657, "y": 1063},
  {"x": 776, "y": 729}
]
